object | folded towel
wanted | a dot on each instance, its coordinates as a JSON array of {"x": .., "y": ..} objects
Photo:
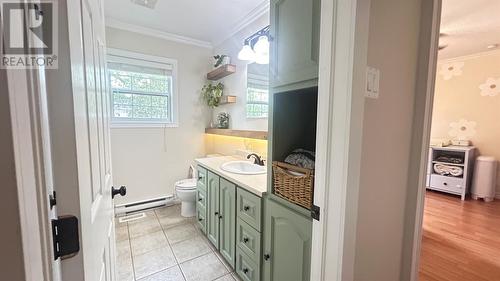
[
  {"x": 446, "y": 170},
  {"x": 301, "y": 158}
]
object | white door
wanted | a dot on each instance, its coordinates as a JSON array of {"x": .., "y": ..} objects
[{"x": 91, "y": 115}]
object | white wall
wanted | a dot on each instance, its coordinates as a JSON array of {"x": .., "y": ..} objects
[
  {"x": 150, "y": 160},
  {"x": 387, "y": 130},
  {"x": 236, "y": 84}
]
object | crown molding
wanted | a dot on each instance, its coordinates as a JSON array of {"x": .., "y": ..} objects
[
  {"x": 254, "y": 14},
  {"x": 114, "y": 23},
  {"x": 469, "y": 57}
]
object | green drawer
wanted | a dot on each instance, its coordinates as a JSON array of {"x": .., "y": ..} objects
[
  {"x": 201, "y": 200},
  {"x": 201, "y": 220},
  {"x": 249, "y": 208},
  {"x": 202, "y": 178},
  {"x": 246, "y": 268},
  {"x": 248, "y": 240}
]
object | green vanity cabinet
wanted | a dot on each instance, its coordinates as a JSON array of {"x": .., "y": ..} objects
[
  {"x": 287, "y": 244},
  {"x": 213, "y": 189},
  {"x": 216, "y": 211},
  {"x": 227, "y": 215},
  {"x": 294, "y": 45},
  {"x": 248, "y": 235}
]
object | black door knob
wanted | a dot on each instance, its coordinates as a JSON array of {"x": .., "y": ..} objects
[
  {"x": 122, "y": 191},
  {"x": 246, "y": 208},
  {"x": 245, "y": 240},
  {"x": 245, "y": 270},
  {"x": 267, "y": 257}
]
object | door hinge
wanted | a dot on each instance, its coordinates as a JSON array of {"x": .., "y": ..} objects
[
  {"x": 52, "y": 200},
  {"x": 65, "y": 237},
  {"x": 315, "y": 212}
]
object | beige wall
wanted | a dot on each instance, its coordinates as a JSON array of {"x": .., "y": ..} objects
[
  {"x": 11, "y": 253},
  {"x": 387, "y": 129},
  {"x": 460, "y": 97},
  {"x": 150, "y": 160}
]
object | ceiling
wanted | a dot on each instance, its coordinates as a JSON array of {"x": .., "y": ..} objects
[
  {"x": 210, "y": 21},
  {"x": 470, "y": 26}
]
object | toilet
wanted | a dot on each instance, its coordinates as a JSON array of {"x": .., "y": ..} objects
[{"x": 186, "y": 192}]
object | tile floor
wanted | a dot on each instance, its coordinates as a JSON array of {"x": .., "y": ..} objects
[{"x": 164, "y": 246}]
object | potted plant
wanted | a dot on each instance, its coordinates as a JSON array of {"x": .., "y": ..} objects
[
  {"x": 211, "y": 94},
  {"x": 221, "y": 60},
  {"x": 223, "y": 120}
]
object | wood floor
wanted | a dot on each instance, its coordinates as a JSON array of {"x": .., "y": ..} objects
[{"x": 461, "y": 239}]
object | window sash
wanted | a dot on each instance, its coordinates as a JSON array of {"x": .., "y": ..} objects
[{"x": 147, "y": 71}]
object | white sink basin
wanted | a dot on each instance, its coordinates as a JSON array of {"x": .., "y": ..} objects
[{"x": 243, "y": 168}]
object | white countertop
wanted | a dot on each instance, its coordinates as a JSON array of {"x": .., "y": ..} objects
[{"x": 256, "y": 184}]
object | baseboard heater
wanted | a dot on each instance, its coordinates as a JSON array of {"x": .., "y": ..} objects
[{"x": 124, "y": 209}]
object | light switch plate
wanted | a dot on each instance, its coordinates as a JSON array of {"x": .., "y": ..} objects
[{"x": 372, "y": 82}]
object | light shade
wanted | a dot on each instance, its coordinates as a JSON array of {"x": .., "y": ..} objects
[
  {"x": 262, "y": 46},
  {"x": 246, "y": 53},
  {"x": 261, "y": 49}
]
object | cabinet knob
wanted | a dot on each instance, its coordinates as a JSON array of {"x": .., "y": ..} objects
[
  {"x": 245, "y": 270},
  {"x": 267, "y": 257},
  {"x": 245, "y": 240},
  {"x": 246, "y": 208},
  {"x": 216, "y": 213},
  {"x": 200, "y": 199},
  {"x": 200, "y": 219},
  {"x": 220, "y": 217}
]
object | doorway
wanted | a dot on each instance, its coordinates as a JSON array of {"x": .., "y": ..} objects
[{"x": 461, "y": 210}]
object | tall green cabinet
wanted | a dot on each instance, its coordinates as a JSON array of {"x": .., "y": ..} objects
[{"x": 294, "y": 68}]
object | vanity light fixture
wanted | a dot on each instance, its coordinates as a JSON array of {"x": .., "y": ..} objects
[{"x": 256, "y": 47}]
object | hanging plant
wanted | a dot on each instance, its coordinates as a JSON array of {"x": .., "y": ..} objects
[{"x": 212, "y": 94}]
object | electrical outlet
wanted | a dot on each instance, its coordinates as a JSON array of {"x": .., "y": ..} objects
[{"x": 372, "y": 82}]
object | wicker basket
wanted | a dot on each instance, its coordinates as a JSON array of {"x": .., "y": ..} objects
[{"x": 296, "y": 189}]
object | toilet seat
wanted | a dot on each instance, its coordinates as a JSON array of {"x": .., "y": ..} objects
[{"x": 187, "y": 184}]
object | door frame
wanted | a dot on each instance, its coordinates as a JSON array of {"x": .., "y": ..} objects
[
  {"x": 342, "y": 70},
  {"x": 422, "y": 120},
  {"x": 32, "y": 191}
]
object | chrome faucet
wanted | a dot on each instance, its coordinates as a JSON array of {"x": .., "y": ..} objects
[{"x": 257, "y": 159}]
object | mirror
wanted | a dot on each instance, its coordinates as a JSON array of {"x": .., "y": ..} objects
[{"x": 257, "y": 100}]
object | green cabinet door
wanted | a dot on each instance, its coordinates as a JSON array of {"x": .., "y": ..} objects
[
  {"x": 287, "y": 244},
  {"x": 294, "y": 50},
  {"x": 212, "y": 215},
  {"x": 227, "y": 210}
]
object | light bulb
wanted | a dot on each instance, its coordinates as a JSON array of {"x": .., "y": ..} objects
[
  {"x": 262, "y": 45},
  {"x": 246, "y": 53}
]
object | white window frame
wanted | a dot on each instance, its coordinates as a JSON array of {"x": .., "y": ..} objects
[
  {"x": 122, "y": 56},
  {"x": 257, "y": 78}
]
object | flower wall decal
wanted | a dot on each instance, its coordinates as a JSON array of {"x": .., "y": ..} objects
[
  {"x": 448, "y": 70},
  {"x": 490, "y": 88},
  {"x": 462, "y": 129}
]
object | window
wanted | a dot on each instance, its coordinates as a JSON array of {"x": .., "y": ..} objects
[
  {"x": 142, "y": 90},
  {"x": 257, "y": 96}
]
